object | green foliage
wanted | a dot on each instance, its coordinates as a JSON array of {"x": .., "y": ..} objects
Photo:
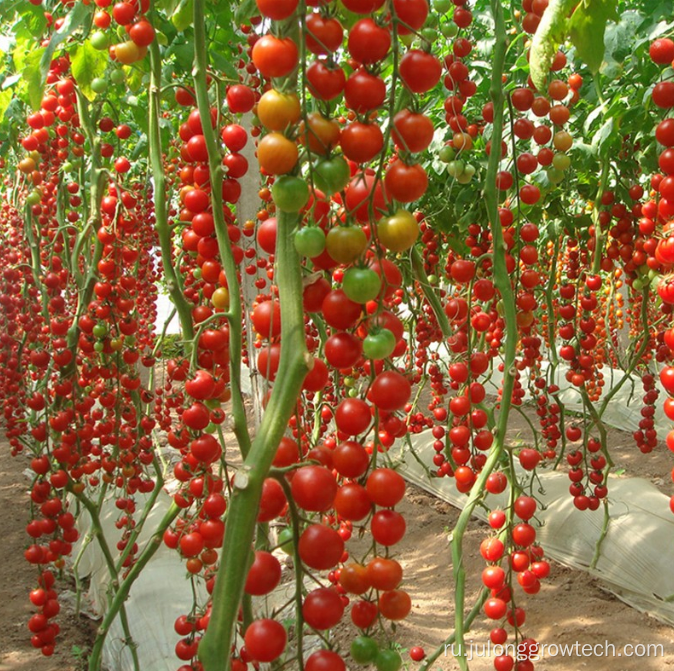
[
  {"x": 32, "y": 77},
  {"x": 172, "y": 347},
  {"x": 73, "y": 21},
  {"x": 551, "y": 32},
  {"x": 182, "y": 16},
  {"x": 87, "y": 64},
  {"x": 5, "y": 99},
  {"x": 587, "y": 27},
  {"x": 33, "y": 20}
]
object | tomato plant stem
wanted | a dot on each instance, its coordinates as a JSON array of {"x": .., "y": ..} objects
[
  {"x": 299, "y": 572},
  {"x": 468, "y": 621},
  {"x": 503, "y": 284},
  {"x": 242, "y": 514},
  {"x": 159, "y": 195}
]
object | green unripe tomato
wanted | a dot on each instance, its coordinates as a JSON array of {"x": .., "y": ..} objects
[
  {"x": 455, "y": 168},
  {"x": 442, "y": 6},
  {"x": 117, "y": 76},
  {"x": 310, "y": 241},
  {"x": 449, "y": 29},
  {"x": 211, "y": 428},
  {"x": 285, "y": 540},
  {"x": 99, "y": 40},
  {"x": 361, "y": 284},
  {"x": 196, "y": 273},
  {"x": 466, "y": 175},
  {"x": 561, "y": 162},
  {"x": 379, "y": 344},
  {"x": 433, "y": 280},
  {"x": 331, "y": 175},
  {"x": 290, "y": 194},
  {"x": 388, "y": 660},
  {"x": 364, "y": 649},
  {"x": 99, "y": 85},
  {"x": 447, "y": 153},
  {"x": 431, "y": 21},
  {"x": 33, "y": 198},
  {"x": 99, "y": 346},
  {"x": 555, "y": 176},
  {"x": 429, "y": 34},
  {"x": 100, "y": 331},
  {"x": 637, "y": 284}
]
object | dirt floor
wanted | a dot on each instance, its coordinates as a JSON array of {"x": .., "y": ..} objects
[{"x": 571, "y": 607}]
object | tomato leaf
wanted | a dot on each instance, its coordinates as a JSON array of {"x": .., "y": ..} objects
[
  {"x": 182, "y": 17},
  {"x": 34, "y": 19},
  {"x": 224, "y": 65},
  {"x": 607, "y": 138},
  {"x": 87, "y": 64},
  {"x": 587, "y": 27},
  {"x": 244, "y": 10},
  {"x": 31, "y": 76},
  {"x": 5, "y": 99},
  {"x": 551, "y": 32},
  {"x": 7, "y": 10}
]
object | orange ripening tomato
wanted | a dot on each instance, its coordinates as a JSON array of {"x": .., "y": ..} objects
[{"x": 277, "y": 154}]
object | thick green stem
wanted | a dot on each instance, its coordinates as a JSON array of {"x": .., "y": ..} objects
[
  {"x": 147, "y": 509},
  {"x": 242, "y": 514},
  {"x": 98, "y": 177},
  {"x": 503, "y": 284},
  {"x": 602, "y": 535},
  {"x": 598, "y": 234}
]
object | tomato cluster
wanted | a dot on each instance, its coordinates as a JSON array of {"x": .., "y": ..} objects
[
  {"x": 526, "y": 565},
  {"x": 132, "y": 17}
]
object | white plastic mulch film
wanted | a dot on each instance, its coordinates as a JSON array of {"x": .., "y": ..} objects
[{"x": 635, "y": 559}]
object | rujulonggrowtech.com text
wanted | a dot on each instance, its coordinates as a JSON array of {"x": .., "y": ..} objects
[{"x": 542, "y": 650}]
